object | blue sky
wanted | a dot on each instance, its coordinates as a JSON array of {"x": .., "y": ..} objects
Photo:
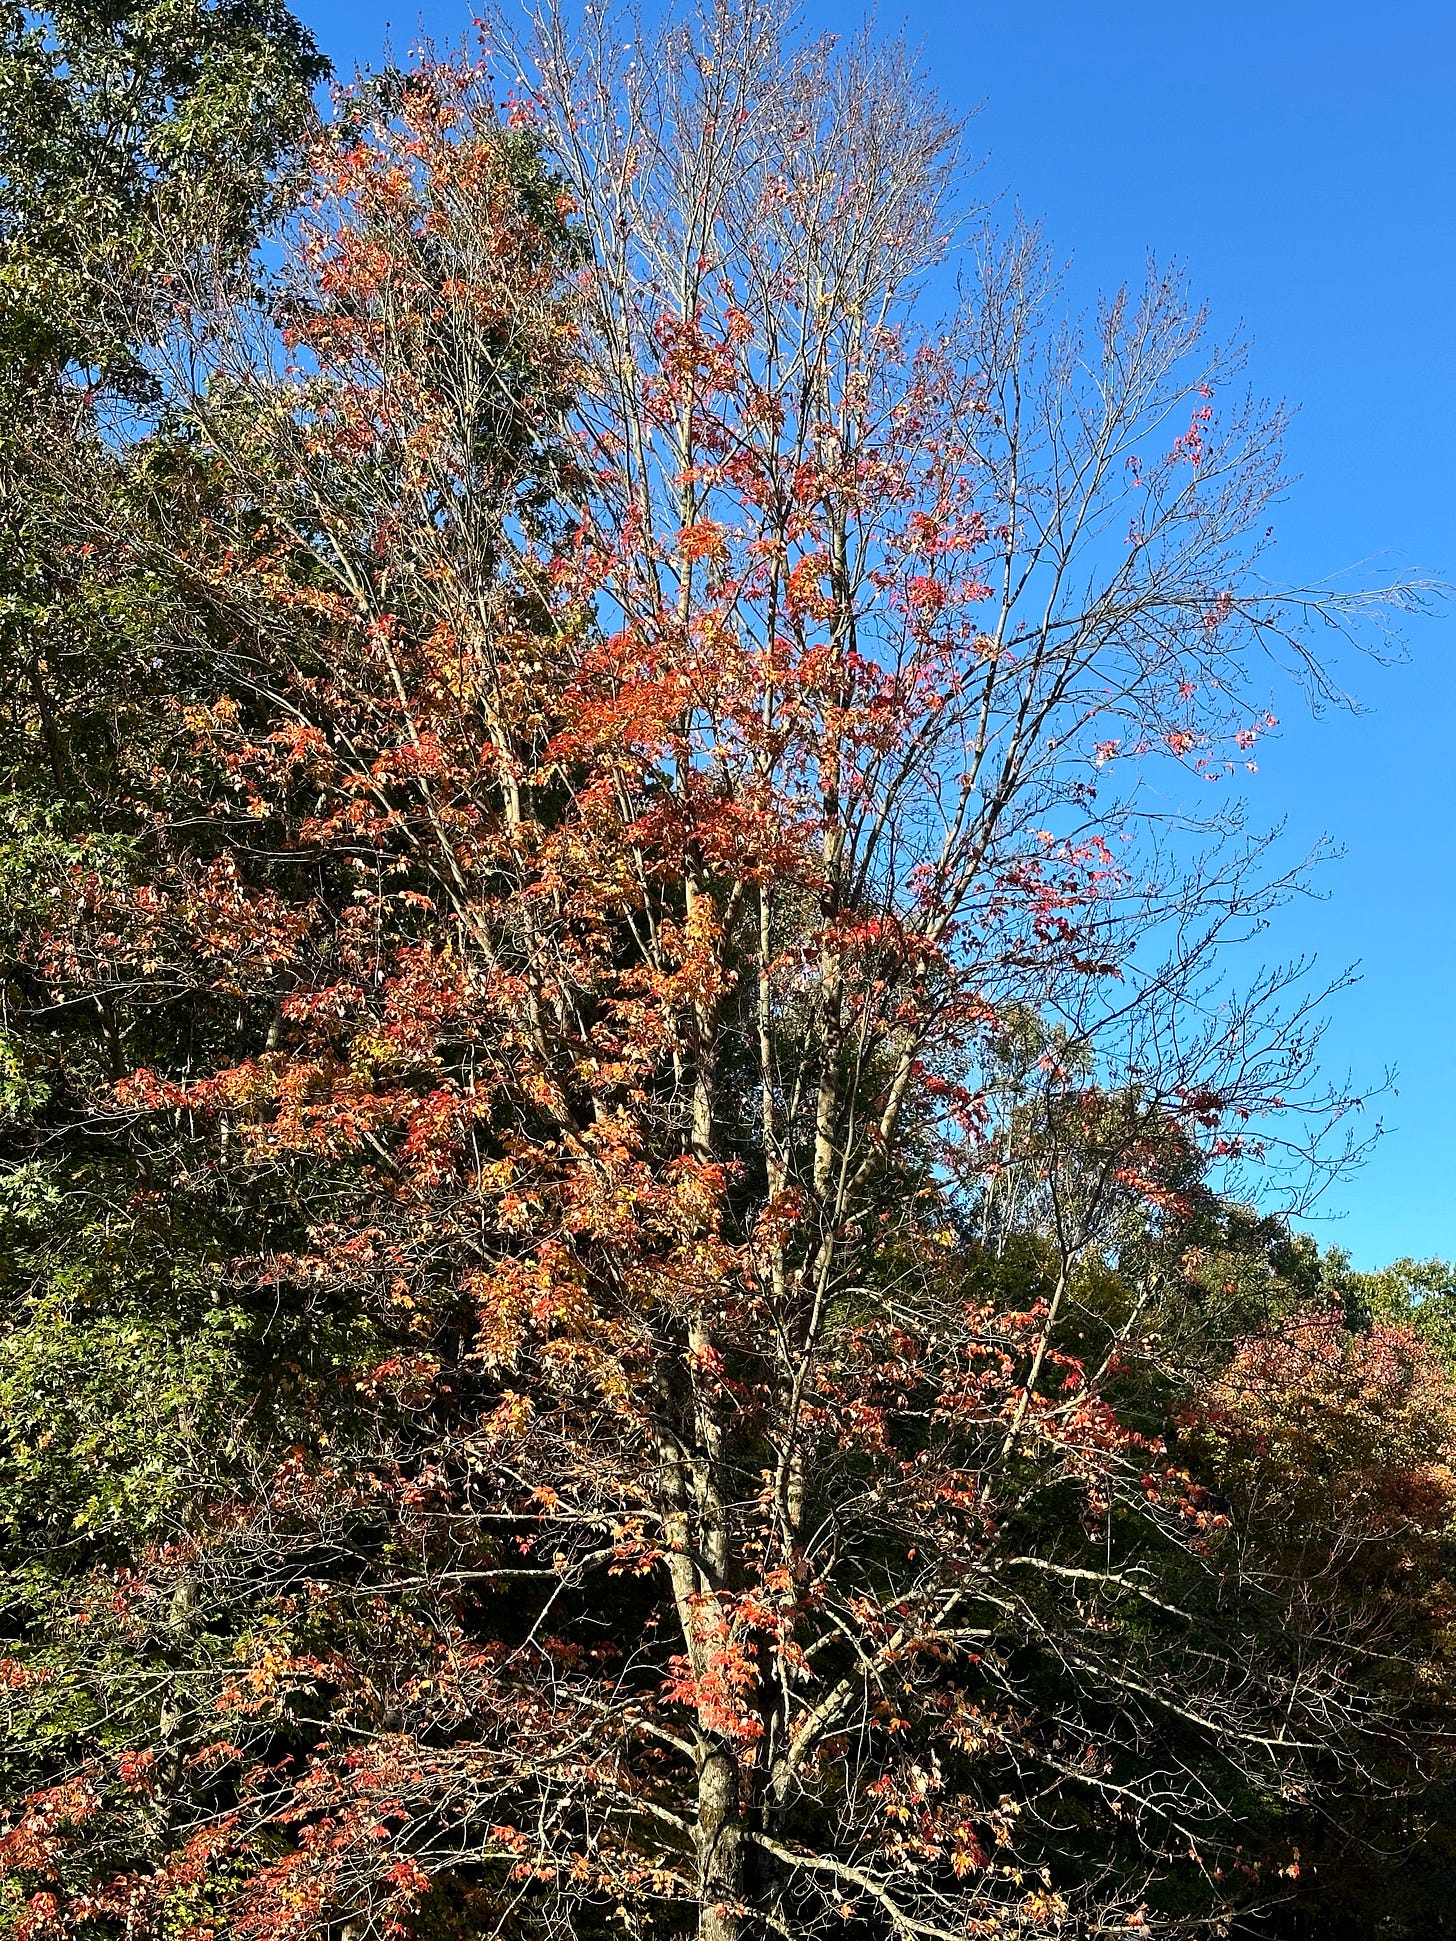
[{"x": 1300, "y": 159}]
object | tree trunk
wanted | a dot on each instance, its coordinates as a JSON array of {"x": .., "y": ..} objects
[{"x": 720, "y": 1848}]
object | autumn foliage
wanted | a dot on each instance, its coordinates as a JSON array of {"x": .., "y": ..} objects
[{"x": 627, "y": 1005}]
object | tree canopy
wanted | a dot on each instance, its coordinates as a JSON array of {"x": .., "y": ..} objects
[{"x": 645, "y": 1282}]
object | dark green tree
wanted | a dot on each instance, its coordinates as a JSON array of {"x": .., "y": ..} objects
[{"x": 139, "y": 143}]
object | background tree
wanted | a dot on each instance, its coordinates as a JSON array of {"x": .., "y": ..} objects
[{"x": 136, "y": 142}]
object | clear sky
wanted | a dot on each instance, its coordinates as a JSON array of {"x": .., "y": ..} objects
[{"x": 1299, "y": 156}]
